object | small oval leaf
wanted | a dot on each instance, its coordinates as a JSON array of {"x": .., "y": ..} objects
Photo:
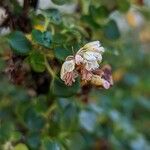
[{"x": 19, "y": 43}]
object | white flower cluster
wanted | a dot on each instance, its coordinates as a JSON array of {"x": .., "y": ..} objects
[
  {"x": 3, "y": 15},
  {"x": 90, "y": 55},
  {"x": 85, "y": 61}
]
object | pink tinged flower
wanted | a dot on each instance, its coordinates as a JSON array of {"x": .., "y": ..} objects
[
  {"x": 68, "y": 74},
  {"x": 98, "y": 81},
  {"x": 78, "y": 59},
  {"x": 69, "y": 78},
  {"x": 91, "y": 55},
  {"x": 106, "y": 84},
  {"x": 86, "y": 75}
]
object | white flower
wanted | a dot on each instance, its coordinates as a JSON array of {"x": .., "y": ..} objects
[
  {"x": 68, "y": 73},
  {"x": 84, "y": 63},
  {"x": 78, "y": 59},
  {"x": 3, "y": 15},
  {"x": 68, "y": 66},
  {"x": 91, "y": 54},
  {"x": 91, "y": 65},
  {"x": 94, "y": 46}
]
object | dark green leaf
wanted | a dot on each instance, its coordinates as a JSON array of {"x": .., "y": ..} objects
[
  {"x": 100, "y": 12},
  {"x": 58, "y": 88},
  {"x": 53, "y": 15},
  {"x": 59, "y": 2},
  {"x": 59, "y": 38},
  {"x": 69, "y": 120},
  {"x": 33, "y": 141},
  {"x": 33, "y": 120},
  {"x": 43, "y": 38},
  {"x": 111, "y": 30},
  {"x": 6, "y": 129},
  {"x": 37, "y": 61},
  {"x": 123, "y": 5},
  {"x": 88, "y": 19},
  {"x": 61, "y": 53},
  {"x": 19, "y": 43},
  {"x": 51, "y": 145}
]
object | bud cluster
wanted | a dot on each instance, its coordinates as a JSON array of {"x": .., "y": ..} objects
[{"x": 86, "y": 64}]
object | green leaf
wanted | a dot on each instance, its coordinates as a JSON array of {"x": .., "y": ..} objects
[
  {"x": 61, "y": 53},
  {"x": 77, "y": 138},
  {"x": 60, "y": 2},
  {"x": 58, "y": 88},
  {"x": 53, "y": 15},
  {"x": 34, "y": 120},
  {"x": 6, "y": 129},
  {"x": 59, "y": 38},
  {"x": 111, "y": 30},
  {"x": 99, "y": 12},
  {"x": 88, "y": 19},
  {"x": 33, "y": 140},
  {"x": 19, "y": 43},
  {"x": 42, "y": 38},
  {"x": 37, "y": 61},
  {"x": 2, "y": 65},
  {"x": 87, "y": 120},
  {"x": 51, "y": 144},
  {"x": 123, "y": 5},
  {"x": 69, "y": 119},
  {"x": 21, "y": 147}
]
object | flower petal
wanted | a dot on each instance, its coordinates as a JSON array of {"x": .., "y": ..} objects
[
  {"x": 100, "y": 49},
  {"x": 106, "y": 84},
  {"x": 91, "y": 65},
  {"x": 78, "y": 59},
  {"x": 67, "y": 66},
  {"x": 90, "y": 56},
  {"x": 92, "y": 44}
]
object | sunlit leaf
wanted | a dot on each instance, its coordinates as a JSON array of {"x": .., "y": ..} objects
[{"x": 21, "y": 147}]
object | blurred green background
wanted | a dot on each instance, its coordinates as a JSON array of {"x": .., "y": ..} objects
[{"x": 115, "y": 119}]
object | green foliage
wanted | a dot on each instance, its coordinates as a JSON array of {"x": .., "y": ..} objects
[
  {"x": 111, "y": 30},
  {"x": 19, "y": 43},
  {"x": 60, "y": 2},
  {"x": 124, "y": 5},
  {"x": 42, "y": 38},
  {"x": 61, "y": 53},
  {"x": 39, "y": 112},
  {"x": 58, "y": 88},
  {"x": 53, "y": 15},
  {"x": 37, "y": 61},
  {"x": 49, "y": 144},
  {"x": 21, "y": 147}
]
